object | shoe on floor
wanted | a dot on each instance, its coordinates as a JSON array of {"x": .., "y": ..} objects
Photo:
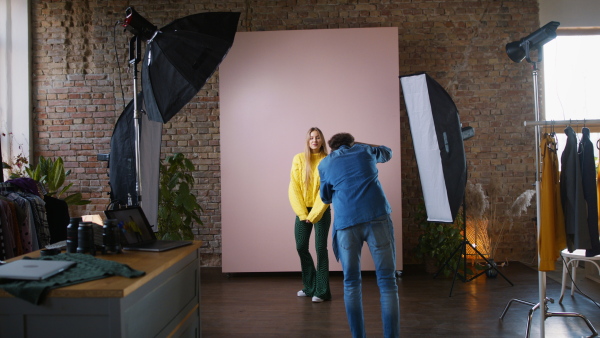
[
  {"x": 317, "y": 300},
  {"x": 302, "y": 294}
]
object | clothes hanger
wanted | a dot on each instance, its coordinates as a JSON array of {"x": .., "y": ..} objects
[
  {"x": 550, "y": 145},
  {"x": 555, "y": 136},
  {"x": 552, "y": 132}
]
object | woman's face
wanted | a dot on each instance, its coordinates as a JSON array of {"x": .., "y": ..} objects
[{"x": 315, "y": 141}]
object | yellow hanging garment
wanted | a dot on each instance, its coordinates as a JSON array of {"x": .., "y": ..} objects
[{"x": 552, "y": 237}]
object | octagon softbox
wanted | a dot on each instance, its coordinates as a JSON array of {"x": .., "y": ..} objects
[{"x": 438, "y": 142}]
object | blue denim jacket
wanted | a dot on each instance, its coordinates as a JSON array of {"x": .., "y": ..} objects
[{"x": 349, "y": 181}]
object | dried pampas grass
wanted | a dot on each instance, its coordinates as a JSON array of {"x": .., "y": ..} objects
[
  {"x": 521, "y": 204},
  {"x": 518, "y": 207},
  {"x": 476, "y": 200},
  {"x": 483, "y": 226}
]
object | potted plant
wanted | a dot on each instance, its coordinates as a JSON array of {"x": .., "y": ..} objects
[
  {"x": 177, "y": 206},
  {"x": 50, "y": 173},
  {"x": 438, "y": 242}
]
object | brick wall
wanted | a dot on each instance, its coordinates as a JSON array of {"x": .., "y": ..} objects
[{"x": 79, "y": 89}]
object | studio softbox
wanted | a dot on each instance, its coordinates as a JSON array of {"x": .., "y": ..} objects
[
  {"x": 121, "y": 162},
  {"x": 438, "y": 142},
  {"x": 181, "y": 58}
]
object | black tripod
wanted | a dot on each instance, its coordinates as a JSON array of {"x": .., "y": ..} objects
[{"x": 462, "y": 248}]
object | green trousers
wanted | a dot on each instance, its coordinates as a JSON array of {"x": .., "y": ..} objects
[{"x": 315, "y": 280}]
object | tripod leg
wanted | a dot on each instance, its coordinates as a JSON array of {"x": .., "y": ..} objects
[
  {"x": 455, "y": 274},
  {"x": 491, "y": 266}
]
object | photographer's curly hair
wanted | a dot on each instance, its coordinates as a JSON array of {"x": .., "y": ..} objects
[{"x": 341, "y": 139}]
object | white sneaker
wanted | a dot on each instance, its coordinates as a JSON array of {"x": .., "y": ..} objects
[
  {"x": 317, "y": 300},
  {"x": 302, "y": 294}
]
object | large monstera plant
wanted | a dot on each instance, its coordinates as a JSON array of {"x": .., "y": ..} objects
[{"x": 177, "y": 206}]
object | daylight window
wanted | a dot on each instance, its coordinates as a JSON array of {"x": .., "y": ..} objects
[{"x": 572, "y": 82}]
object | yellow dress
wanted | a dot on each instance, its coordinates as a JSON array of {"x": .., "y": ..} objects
[{"x": 552, "y": 237}]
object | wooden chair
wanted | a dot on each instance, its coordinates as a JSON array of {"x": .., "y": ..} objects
[{"x": 572, "y": 259}]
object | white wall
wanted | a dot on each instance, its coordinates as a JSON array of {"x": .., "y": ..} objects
[{"x": 274, "y": 86}]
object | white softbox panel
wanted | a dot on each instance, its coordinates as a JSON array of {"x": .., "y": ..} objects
[{"x": 437, "y": 136}]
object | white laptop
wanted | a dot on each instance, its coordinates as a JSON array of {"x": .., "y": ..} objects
[{"x": 33, "y": 269}]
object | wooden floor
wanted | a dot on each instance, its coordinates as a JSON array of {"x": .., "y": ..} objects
[{"x": 266, "y": 305}]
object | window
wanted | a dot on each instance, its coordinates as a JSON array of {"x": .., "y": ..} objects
[{"x": 572, "y": 82}]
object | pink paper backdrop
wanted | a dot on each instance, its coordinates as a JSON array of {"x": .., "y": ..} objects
[{"x": 274, "y": 86}]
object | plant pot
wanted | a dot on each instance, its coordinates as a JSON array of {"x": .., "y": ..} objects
[{"x": 491, "y": 272}]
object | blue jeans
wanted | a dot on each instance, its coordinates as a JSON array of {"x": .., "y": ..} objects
[{"x": 379, "y": 235}]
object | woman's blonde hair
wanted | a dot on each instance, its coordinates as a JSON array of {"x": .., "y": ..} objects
[{"x": 308, "y": 152}]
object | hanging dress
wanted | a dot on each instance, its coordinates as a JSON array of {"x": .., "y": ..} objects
[
  {"x": 588, "y": 180},
  {"x": 572, "y": 199},
  {"x": 598, "y": 184},
  {"x": 552, "y": 237}
]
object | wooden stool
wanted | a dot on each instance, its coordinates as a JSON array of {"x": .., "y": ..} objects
[{"x": 572, "y": 259}]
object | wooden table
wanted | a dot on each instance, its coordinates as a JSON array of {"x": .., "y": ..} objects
[{"x": 163, "y": 302}]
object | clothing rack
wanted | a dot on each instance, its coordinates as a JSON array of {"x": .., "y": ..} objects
[
  {"x": 542, "y": 274},
  {"x": 563, "y": 123}
]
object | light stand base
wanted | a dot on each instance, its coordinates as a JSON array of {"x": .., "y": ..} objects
[
  {"x": 463, "y": 245},
  {"x": 547, "y": 314},
  {"x": 463, "y": 277}
]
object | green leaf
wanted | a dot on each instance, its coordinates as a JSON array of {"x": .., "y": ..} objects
[
  {"x": 76, "y": 199},
  {"x": 64, "y": 189},
  {"x": 172, "y": 236},
  {"x": 56, "y": 174}
]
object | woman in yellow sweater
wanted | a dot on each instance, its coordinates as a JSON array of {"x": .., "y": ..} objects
[{"x": 311, "y": 212}]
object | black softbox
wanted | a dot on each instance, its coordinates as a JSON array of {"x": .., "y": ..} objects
[
  {"x": 181, "y": 58},
  {"x": 438, "y": 141}
]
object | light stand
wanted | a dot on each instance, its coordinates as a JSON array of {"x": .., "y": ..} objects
[
  {"x": 517, "y": 51},
  {"x": 134, "y": 59},
  {"x": 141, "y": 28},
  {"x": 462, "y": 247},
  {"x": 543, "y": 300}
]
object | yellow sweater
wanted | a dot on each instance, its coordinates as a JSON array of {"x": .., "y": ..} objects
[{"x": 300, "y": 198}]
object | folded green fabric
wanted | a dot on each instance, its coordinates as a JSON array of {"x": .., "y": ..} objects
[{"x": 88, "y": 268}]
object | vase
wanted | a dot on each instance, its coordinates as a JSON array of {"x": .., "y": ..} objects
[{"x": 491, "y": 272}]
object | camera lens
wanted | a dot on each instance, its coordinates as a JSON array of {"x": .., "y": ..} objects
[
  {"x": 72, "y": 229},
  {"x": 110, "y": 237},
  {"x": 85, "y": 238}
]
